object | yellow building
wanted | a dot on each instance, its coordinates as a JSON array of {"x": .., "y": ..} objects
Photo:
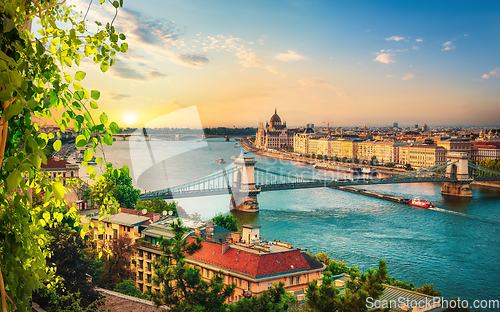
[
  {"x": 422, "y": 156},
  {"x": 252, "y": 264}
]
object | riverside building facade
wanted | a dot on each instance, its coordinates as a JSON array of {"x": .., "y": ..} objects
[{"x": 275, "y": 135}]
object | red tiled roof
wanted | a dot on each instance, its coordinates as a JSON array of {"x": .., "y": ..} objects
[
  {"x": 53, "y": 163},
  {"x": 150, "y": 215},
  {"x": 257, "y": 265}
]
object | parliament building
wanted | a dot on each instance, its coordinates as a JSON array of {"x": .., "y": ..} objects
[{"x": 275, "y": 135}]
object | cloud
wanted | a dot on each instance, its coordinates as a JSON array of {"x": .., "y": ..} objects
[
  {"x": 156, "y": 74},
  {"x": 395, "y": 38},
  {"x": 448, "y": 46},
  {"x": 419, "y": 40},
  {"x": 248, "y": 58},
  {"x": 193, "y": 59},
  {"x": 385, "y": 58},
  {"x": 493, "y": 73},
  {"x": 272, "y": 69},
  {"x": 316, "y": 82},
  {"x": 291, "y": 56},
  {"x": 409, "y": 76},
  {"x": 121, "y": 70},
  {"x": 415, "y": 48},
  {"x": 118, "y": 97},
  {"x": 390, "y": 76}
]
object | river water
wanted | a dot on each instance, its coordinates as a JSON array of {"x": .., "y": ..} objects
[{"x": 456, "y": 246}]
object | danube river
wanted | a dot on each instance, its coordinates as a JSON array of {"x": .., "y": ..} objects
[{"x": 455, "y": 246}]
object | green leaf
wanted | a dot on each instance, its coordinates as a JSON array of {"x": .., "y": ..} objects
[
  {"x": 98, "y": 160},
  {"x": 13, "y": 180},
  {"x": 95, "y": 94},
  {"x": 121, "y": 3},
  {"x": 12, "y": 110},
  {"x": 124, "y": 47},
  {"x": 105, "y": 66},
  {"x": 46, "y": 216},
  {"x": 108, "y": 139},
  {"x": 93, "y": 105},
  {"x": 114, "y": 127},
  {"x": 103, "y": 118},
  {"x": 122, "y": 37},
  {"x": 57, "y": 145},
  {"x": 88, "y": 154},
  {"x": 126, "y": 170},
  {"x": 68, "y": 78},
  {"x": 77, "y": 86},
  {"x": 101, "y": 1},
  {"x": 116, "y": 4},
  {"x": 59, "y": 190},
  {"x": 5, "y": 95},
  {"x": 79, "y": 95},
  {"x": 80, "y": 75},
  {"x": 81, "y": 141}
]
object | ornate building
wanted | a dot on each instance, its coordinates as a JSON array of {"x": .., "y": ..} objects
[{"x": 275, "y": 135}]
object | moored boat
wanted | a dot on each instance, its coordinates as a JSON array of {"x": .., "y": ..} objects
[
  {"x": 340, "y": 168},
  {"x": 369, "y": 171},
  {"x": 417, "y": 202},
  {"x": 220, "y": 161}
]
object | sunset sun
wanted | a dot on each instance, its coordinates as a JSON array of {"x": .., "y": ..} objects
[{"x": 129, "y": 118}]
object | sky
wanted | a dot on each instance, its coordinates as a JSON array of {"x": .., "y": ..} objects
[{"x": 344, "y": 63}]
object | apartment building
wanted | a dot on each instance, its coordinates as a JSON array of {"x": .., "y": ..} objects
[
  {"x": 484, "y": 150},
  {"x": 422, "y": 156},
  {"x": 246, "y": 260}
]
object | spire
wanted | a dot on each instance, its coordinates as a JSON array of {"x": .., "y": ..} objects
[{"x": 275, "y": 111}]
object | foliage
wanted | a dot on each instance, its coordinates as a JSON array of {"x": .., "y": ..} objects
[
  {"x": 35, "y": 82},
  {"x": 321, "y": 257},
  {"x": 127, "y": 287},
  {"x": 492, "y": 164},
  {"x": 275, "y": 299},
  {"x": 72, "y": 265},
  {"x": 70, "y": 302},
  {"x": 117, "y": 186},
  {"x": 389, "y": 165},
  {"x": 226, "y": 221},
  {"x": 183, "y": 287},
  {"x": 157, "y": 205},
  {"x": 401, "y": 284},
  {"x": 117, "y": 265},
  {"x": 429, "y": 290},
  {"x": 230, "y": 131},
  {"x": 359, "y": 287}
]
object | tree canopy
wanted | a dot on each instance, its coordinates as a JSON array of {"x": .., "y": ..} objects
[
  {"x": 226, "y": 221},
  {"x": 157, "y": 205},
  {"x": 36, "y": 80}
]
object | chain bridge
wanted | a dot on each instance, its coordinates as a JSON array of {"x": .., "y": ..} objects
[{"x": 244, "y": 180}]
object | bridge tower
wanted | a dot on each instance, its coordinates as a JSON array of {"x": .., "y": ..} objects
[
  {"x": 460, "y": 172},
  {"x": 244, "y": 197}
]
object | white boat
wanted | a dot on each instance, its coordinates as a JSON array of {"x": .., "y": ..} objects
[{"x": 220, "y": 161}]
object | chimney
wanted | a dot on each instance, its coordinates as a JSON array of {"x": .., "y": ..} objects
[
  {"x": 156, "y": 217},
  {"x": 197, "y": 232},
  {"x": 225, "y": 247},
  {"x": 236, "y": 237},
  {"x": 209, "y": 237}
]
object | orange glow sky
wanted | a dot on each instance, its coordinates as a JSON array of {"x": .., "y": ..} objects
[{"x": 348, "y": 62}]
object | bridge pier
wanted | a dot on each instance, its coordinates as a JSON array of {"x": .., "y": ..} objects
[
  {"x": 244, "y": 197},
  {"x": 460, "y": 172}
]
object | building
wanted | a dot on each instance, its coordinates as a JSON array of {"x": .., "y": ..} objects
[
  {"x": 63, "y": 170},
  {"x": 484, "y": 150},
  {"x": 301, "y": 141},
  {"x": 455, "y": 145},
  {"x": 422, "y": 156},
  {"x": 395, "y": 125},
  {"x": 244, "y": 258},
  {"x": 275, "y": 135}
]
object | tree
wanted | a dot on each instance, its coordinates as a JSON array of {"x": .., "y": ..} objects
[
  {"x": 73, "y": 268},
  {"x": 275, "y": 299},
  {"x": 226, "y": 221},
  {"x": 429, "y": 290},
  {"x": 157, "y": 205},
  {"x": 117, "y": 265},
  {"x": 357, "y": 289},
  {"x": 34, "y": 82},
  {"x": 117, "y": 186},
  {"x": 183, "y": 287},
  {"x": 127, "y": 287},
  {"x": 321, "y": 257}
]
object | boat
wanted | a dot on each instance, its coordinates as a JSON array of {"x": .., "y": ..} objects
[
  {"x": 369, "y": 171},
  {"x": 340, "y": 168},
  {"x": 220, "y": 161},
  {"x": 421, "y": 203}
]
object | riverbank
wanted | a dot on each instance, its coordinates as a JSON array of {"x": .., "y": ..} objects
[
  {"x": 487, "y": 183},
  {"x": 290, "y": 156}
]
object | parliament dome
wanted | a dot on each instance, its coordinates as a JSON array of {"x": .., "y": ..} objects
[{"x": 275, "y": 118}]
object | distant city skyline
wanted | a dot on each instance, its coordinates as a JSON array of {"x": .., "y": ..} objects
[{"x": 315, "y": 61}]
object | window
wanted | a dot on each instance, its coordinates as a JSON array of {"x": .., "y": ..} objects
[
  {"x": 149, "y": 278},
  {"x": 297, "y": 280},
  {"x": 72, "y": 173},
  {"x": 150, "y": 255},
  {"x": 128, "y": 229},
  {"x": 291, "y": 280},
  {"x": 149, "y": 288},
  {"x": 141, "y": 287},
  {"x": 141, "y": 263},
  {"x": 240, "y": 282},
  {"x": 140, "y": 253},
  {"x": 141, "y": 277},
  {"x": 249, "y": 286},
  {"x": 149, "y": 266}
]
